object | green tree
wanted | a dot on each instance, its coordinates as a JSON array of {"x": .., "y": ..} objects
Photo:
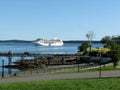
[
  {"x": 107, "y": 41},
  {"x": 115, "y": 53},
  {"x": 114, "y": 49},
  {"x": 83, "y": 47}
]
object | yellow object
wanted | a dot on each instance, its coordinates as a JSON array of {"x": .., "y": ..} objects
[{"x": 101, "y": 49}]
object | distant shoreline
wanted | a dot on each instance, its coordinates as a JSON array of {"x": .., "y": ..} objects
[{"x": 65, "y": 41}]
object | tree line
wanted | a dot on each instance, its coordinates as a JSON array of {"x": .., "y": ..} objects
[{"x": 114, "y": 47}]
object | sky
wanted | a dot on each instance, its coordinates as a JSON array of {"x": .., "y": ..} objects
[{"x": 65, "y": 19}]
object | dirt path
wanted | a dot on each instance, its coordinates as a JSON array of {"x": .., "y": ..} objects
[{"x": 62, "y": 76}]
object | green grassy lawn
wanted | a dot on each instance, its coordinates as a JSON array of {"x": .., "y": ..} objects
[
  {"x": 70, "y": 84},
  {"x": 106, "y": 68}
]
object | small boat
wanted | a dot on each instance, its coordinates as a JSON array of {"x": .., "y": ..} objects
[{"x": 51, "y": 42}]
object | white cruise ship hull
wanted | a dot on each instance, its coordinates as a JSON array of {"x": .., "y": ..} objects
[{"x": 52, "y": 42}]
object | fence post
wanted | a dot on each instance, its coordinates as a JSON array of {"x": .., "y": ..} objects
[
  {"x": 100, "y": 67},
  {"x": 2, "y": 68},
  {"x": 77, "y": 59},
  {"x": 62, "y": 60},
  {"x": 9, "y": 64}
]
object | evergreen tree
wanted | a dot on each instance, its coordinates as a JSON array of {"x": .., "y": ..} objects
[
  {"x": 115, "y": 53},
  {"x": 83, "y": 47},
  {"x": 114, "y": 49},
  {"x": 106, "y": 41}
]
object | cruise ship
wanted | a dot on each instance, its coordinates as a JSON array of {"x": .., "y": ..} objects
[{"x": 50, "y": 42}]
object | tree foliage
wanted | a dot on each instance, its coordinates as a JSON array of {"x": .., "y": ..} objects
[
  {"x": 115, "y": 53},
  {"x": 114, "y": 49},
  {"x": 107, "y": 41},
  {"x": 83, "y": 47}
]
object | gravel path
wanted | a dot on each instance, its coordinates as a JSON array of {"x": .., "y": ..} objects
[{"x": 62, "y": 76}]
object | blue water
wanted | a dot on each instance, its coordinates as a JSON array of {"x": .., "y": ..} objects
[{"x": 21, "y": 47}]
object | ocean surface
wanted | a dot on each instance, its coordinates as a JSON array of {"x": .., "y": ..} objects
[{"x": 21, "y": 47}]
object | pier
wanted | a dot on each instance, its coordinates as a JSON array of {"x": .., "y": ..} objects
[
  {"x": 37, "y": 59},
  {"x": 45, "y": 61}
]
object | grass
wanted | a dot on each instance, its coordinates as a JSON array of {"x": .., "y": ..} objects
[
  {"x": 70, "y": 84},
  {"x": 106, "y": 68}
]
